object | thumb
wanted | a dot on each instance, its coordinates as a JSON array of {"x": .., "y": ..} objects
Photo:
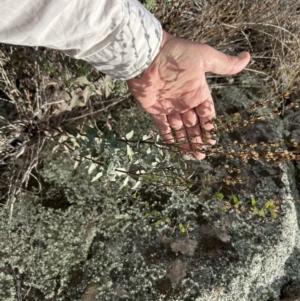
[{"x": 221, "y": 63}]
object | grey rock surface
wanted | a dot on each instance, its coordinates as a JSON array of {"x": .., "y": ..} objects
[
  {"x": 79, "y": 242},
  {"x": 229, "y": 255}
]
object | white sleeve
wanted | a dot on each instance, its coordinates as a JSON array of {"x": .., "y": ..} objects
[{"x": 119, "y": 37}]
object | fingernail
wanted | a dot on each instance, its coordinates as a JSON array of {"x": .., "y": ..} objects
[{"x": 243, "y": 55}]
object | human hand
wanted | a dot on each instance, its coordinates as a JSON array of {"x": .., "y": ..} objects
[{"x": 174, "y": 90}]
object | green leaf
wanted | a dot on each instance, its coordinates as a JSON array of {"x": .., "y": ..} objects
[
  {"x": 140, "y": 172},
  {"x": 261, "y": 212},
  {"x": 107, "y": 79},
  {"x": 76, "y": 102},
  {"x": 129, "y": 152},
  {"x": 255, "y": 210},
  {"x": 235, "y": 199},
  {"x": 181, "y": 228},
  {"x": 87, "y": 93},
  {"x": 92, "y": 168},
  {"x": 91, "y": 133},
  {"x": 76, "y": 164},
  {"x": 219, "y": 196},
  {"x": 224, "y": 208},
  {"x": 146, "y": 137},
  {"x": 253, "y": 202},
  {"x": 269, "y": 203},
  {"x": 65, "y": 95},
  {"x": 83, "y": 80},
  {"x": 129, "y": 135},
  {"x": 111, "y": 168},
  {"x": 97, "y": 176},
  {"x": 107, "y": 91},
  {"x": 155, "y": 213},
  {"x": 125, "y": 216},
  {"x": 114, "y": 143},
  {"x": 63, "y": 138},
  {"x": 157, "y": 223},
  {"x": 273, "y": 213},
  {"x": 125, "y": 182},
  {"x": 136, "y": 185},
  {"x": 168, "y": 220},
  {"x": 85, "y": 69}
]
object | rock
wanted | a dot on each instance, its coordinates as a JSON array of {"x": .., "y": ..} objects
[
  {"x": 90, "y": 292},
  {"x": 176, "y": 271},
  {"x": 186, "y": 246},
  {"x": 230, "y": 255}
]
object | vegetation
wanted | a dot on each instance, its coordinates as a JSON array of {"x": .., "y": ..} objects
[{"x": 62, "y": 122}]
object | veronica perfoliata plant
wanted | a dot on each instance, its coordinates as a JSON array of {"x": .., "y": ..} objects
[{"x": 127, "y": 161}]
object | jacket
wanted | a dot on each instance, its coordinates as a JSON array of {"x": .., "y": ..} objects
[{"x": 119, "y": 37}]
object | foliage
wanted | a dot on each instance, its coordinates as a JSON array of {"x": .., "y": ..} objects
[
  {"x": 150, "y": 4},
  {"x": 260, "y": 210}
]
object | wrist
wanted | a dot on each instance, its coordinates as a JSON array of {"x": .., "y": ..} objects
[{"x": 165, "y": 38}]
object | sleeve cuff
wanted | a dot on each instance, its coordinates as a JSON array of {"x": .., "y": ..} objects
[{"x": 134, "y": 48}]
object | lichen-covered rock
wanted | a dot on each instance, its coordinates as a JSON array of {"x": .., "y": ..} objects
[{"x": 77, "y": 240}]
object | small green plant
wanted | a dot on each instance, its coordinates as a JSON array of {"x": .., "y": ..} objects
[
  {"x": 235, "y": 201},
  {"x": 269, "y": 205},
  {"x": 184, "y": 228},
  {"x": 150, "y": 4},
  {"x": 253, "y": 203}
]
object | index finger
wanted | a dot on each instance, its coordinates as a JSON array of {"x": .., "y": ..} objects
[{"x": 164, "y": 128}]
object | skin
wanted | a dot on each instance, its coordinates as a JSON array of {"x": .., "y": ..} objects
[{"x": 173, "y": 89}]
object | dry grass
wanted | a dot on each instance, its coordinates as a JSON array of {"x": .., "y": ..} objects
[{"x": 269, "y": 30}]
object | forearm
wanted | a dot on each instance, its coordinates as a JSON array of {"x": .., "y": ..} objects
[{"x": 118, "y": 37}]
